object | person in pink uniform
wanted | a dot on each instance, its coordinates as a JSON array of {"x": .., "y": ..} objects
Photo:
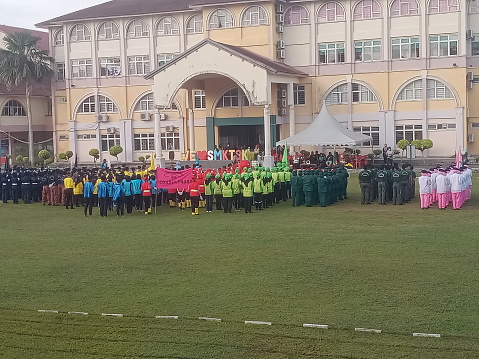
[
  {"x": 425, "y": 189},
  {"x": 434, "y": 174},
  {"x": 456, "y": 189},
  {"x": 442, "y": 185}
]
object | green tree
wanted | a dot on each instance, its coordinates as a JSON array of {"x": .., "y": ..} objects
[
  {"x": 44, "y": 155},
  {"x": 402, "y": 144},
  {"x": 62, "y": 156},
  {"x": 95, "y": 154},
  {"x": 48, "y": 162},
  {"x": 68, "y": 154},
  {"x": 141, "y": 159},
  {"x": 422, "y": 145},
  {"x": 19, "y": 158},
  {"x": 23, "y": 63},
  {"x": 115, "y": 151}
]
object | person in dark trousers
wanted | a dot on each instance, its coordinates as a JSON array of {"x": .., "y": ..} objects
[
  {"x": 88, "y": 196},
  {"x": 103, "y": 196},
  {"x": 69, "y": 186},
  {"x": 365, "y": 180}
]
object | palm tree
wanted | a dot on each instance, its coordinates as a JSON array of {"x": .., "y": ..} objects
[{"x": 23, "y": 62}]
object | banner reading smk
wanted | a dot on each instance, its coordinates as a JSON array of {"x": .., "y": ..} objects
[{"x": 173, "y": 179}]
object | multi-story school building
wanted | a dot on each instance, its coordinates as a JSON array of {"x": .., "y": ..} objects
[{"x": 188, "y": 75}]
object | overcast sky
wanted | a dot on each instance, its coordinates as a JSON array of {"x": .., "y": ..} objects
[{"x": 27, "y": 13}]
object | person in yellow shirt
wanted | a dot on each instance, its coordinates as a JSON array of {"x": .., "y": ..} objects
[
  {"x": 69, "y": 185},
  {"x": 78, "y": 192}
]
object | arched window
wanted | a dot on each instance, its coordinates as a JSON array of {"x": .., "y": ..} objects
[
  {"x": 195, "y": 24},
  {"x": 436, "y": 90},
  {"x": 221, "y": 18},
  {"x": 13, "y": 108},
  {"x": 108, "y": 30},
  {"x": 167, "y": 26},
  {"x": 88, "y": 105},
  {"x": 367, "y": 9},
  {"x": 412, "y": 91},
  {"x": 361, "y": 94},
  {"x": 137, "y": 28},
  {"x": 330, "y": 12},
  {"x": 404, "y": 8},
  {"x": 296, "y": 15},
  {"x": 59, "y": 38},
  {"x": 254, "y": 16},
  {"x": 436, "y": 6},
  {"x": 145, "y": 103},
  {"x": 80, "y": 32},
  {"x": 338, "y": 95},
  {"x": 232, "y": 99}
]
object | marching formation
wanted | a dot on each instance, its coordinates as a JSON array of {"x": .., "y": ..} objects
[{"x": 451, "y": 185}]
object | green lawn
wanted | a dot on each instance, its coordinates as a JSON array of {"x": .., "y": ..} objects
[{"x": 399, "y": 269}]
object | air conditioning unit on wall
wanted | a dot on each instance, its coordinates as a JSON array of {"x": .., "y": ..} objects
[
  {"x": 145, "y": 116},
  {"x": 103, "y": 118},
  {"x": 111, "y": 130},
  {"x": 281, "y": 54},
  {"x": 170, "y": 128},
  {"x": 470, "y": 138},
  {"x": 162, "y": 116}
]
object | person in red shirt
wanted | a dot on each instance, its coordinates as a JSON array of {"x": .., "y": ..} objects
[
  {"x": 194, "y": 189},
  {"x": 146, "y": 193},
  {"x": 201, "y": 182}
]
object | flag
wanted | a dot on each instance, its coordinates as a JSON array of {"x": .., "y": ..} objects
[
  {"x": 285, "y": 161},
  {"x": 459, "y": 158},
  {"x": 152, "y": 164}
]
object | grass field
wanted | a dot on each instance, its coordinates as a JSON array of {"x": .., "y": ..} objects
[{"x": 399, "y": 269}]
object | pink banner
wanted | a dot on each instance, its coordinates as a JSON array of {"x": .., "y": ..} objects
[{"x": 173, "y": 179}]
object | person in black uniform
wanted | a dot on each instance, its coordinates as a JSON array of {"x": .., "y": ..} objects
[
  {"x": 15, "y": 187},
  {"x": 26, "y": 181},
  {"x": 35, "y": 191},
  {"x": 6, "y": 187}
]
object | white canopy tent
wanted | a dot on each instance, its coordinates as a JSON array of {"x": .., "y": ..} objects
[{"x": 325, "y": 131}]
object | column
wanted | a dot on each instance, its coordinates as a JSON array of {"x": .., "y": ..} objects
[
  {"x": 159, "y": 160},
  {"x": 191, "y": 129},
  {"x": 292, "y": 118},
  {"x": 461, "y": 133},
  {"x": 126, "y": 139},
  {"x": 268, "y": 159},
  {"x": 73, "y": 140}
]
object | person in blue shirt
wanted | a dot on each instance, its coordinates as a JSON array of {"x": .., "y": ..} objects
[
  {"x": 103, "y": 196},
  {"x": 128, "y": 188},
  {"x": 111, "y": 184},
  {"x": 136, "y": 189},
  {"x": 88, "y": 189},
  {"x": 119, "y": 196},
  {"x": 154, "y": 191}
]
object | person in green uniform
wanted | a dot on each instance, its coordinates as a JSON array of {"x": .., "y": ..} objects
[
  {"x": 247, "y": 189},
  {"x": 266, "y": 182},
  {"x": 396, "y": 181},
  {"x": 308, "y": 188},
  {"x": 227, "y": 192},
  {"x": 287, "y": 178},
  {"x": 365, "y": 179},
  {"x": 258, "y": 192},
  {"x": 405, "y": 183},
  {"x": 322, "y": 190},
  {"x": 236, "y": 191},
  {"x": 209, "y": 193},
  {"x": 217, "y": 192},
  {"x": 296, "y": 188},
  {"x": 381, "y": 179}
]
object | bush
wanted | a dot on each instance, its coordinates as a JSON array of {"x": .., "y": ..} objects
[
  {"x": 95, "y": 154},
  {"x": 115, "y": 151},
  {"x": 402, "y": 144},
  {"x": 62, "y": 156},
  {"x": 19, "y": 158},
  {"x": 377, "y": 152},
  {"x": 48, "y": 162},
  {"x": 68, "y": 154},
  {"x": 44, "y": 155},
  {"x": 141, "y": 159}
]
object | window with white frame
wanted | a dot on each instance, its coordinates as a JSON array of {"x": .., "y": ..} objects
[
  {"x": 475, "y": 46},
  {"x": 296, "y": 15},
  {"x": 436, "y": 90},
  {"x": 137, "y": 28},
  {"x": 106, "y": 104},
  {"x": 138, "y": 65},
  {"x": 110, "y": 67},
  {"x": 167, "y": 26},
  {"x": 109, "y": 140},
  {"x": 331, "y": 53},
  {"x": 372, "y": 131},
  {"x": 221, "y": 18},
  {"x": 165, "y": 58},
  {"x": 13, "y": 108},
  {"x": 144, "y": 141},
  {"x": 170, "y": 141},
  {"x": 338, "y": 95},
  {"x": 80, "y": 32},
  {"x": 60, "y": 71},
  {"x": 195, "y": 24},
  {"x": 88, "y": 105},
  {"x": 443, "y": 45},
  {"x": 86, "y": 137},
  {"x": 82, "y": 68},
  {"x": 436, "y": 6},
  {"x": 232, "y": 99},
  {"x": 367, "y": 9},
  {"x": 331, "y": 12},
  {"x": 408, "y": 132},
  {"x": 59, "y": 38},
  {"x": 254, "y": 16},
  {"x": 361, "y": 94},
  {"x": 405, "y": 48},
  {"x": 299, "y": 94},
  {"x": 108, "y": 30},
  {"x": 200, "y": 98},
  {"x": 404, "y": 8},
  {"x": 145, "y": 103},
  {"x": 473, "y": 6},
  {"x": 369, "y": 50},
  {"x": 412, "y": 91}
]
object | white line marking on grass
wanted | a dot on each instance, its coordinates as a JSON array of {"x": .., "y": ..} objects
[
  {"x": 82, "y": 313},
  {"x": 210, "y": 319},
  {"x": 47, "y": 311},
  {"x": 257, "y": 322},
  {"x": 377, "y": 331},
  {"x": 320, "y": 326},
  {"x": 429, "y": 335},
  {"x": 111, "y": 315},
  {"x": 166, "y": 317}
]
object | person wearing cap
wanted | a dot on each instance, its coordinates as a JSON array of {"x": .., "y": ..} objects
[
  {"x": 258, "y": 192},
  {"x": 442, "y": 184},
  {"x": 396, "y": 186},
  {"x": 227, "y": 192},
  {"x": 209, "y": 193},
  {"x": 296, "y": 188},
  {"x": 146, "y": 195},
  {"x": 365, "y": 179},
  {"x": 381, "y": 179},
  {"x": 322, "y": 189},
  {"x": 456, "y": 189},
  {"x": 248, "y": 191},
  {"x": 194, "y": 190},
  {"x": 425, "y": 189},
  {"x": 217, "y": 192}
]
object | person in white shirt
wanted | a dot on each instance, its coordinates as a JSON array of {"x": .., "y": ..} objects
[
  {"x": 425, "y": 189},
  {"x": 434, "y": 174},
  {"x": 442, "y": 186},
  {"x": 456, "y": 189}
]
